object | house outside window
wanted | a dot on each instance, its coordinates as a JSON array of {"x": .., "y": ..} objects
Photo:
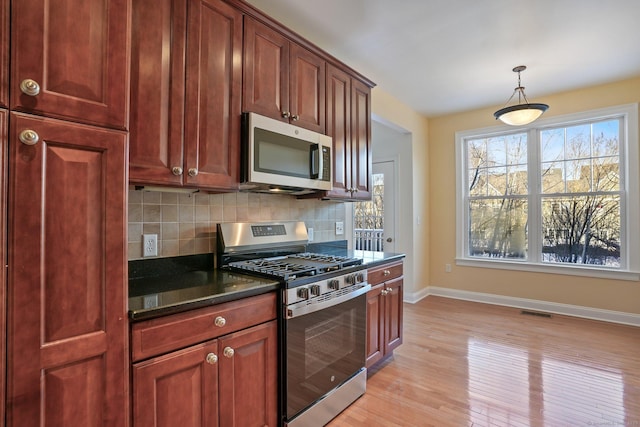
[{"x": 560, "y": 195}]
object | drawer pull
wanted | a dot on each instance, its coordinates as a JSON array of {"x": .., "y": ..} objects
[
  {"x": 386, "y": 272},
  {"x": 220, "y": 321},
  {"x": 211, "y": 359},
  {"x": 228, "y": 352}
]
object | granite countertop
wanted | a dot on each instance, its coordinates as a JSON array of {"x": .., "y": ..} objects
[
  {"x": 162, "y": 286},
  {"x": 172, "y": 285}
]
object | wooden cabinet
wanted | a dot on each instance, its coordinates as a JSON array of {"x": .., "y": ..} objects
[
  {"x": 349, "y": 124},
  {"x": 384, "y": 312},
  {"x": 4, "y": 119},
  {"x": 69, "y": 59},
  {"x": 4, "y": 55},
  {"x": 212, "y": 366},
  {"x": 67, "y": 318},
  {"x": 186, "y": 82},
  {"x": 282, "y": 79}
]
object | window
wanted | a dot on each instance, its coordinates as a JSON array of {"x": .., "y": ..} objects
[{"x": 561, "y": 194}]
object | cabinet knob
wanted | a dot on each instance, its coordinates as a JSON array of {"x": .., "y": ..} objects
[
  {"x": 228, "y": 352},
  {"x": 176, "y": 170},
  {"x": 389, "y": 290},
  {"x": 220, "y": 321},
  {"x": 386, "y": 272},
  {"x": 30, "y": 87},
  {"x": 29, "y": 137},
  {"x": 295, "y": 117},
  {"x": 286, "y": 114},
  {"x": 389, "y": 239},
  {"x": 384, "y": 292},
  {"x": 211, "y": 359},
  {"x": 193, "y": 172}
]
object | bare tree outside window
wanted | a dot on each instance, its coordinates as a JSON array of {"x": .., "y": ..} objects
[{"x": 579, "y": 201}]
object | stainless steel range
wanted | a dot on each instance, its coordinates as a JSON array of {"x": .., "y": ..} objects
[{"x": 323, "y": 316}]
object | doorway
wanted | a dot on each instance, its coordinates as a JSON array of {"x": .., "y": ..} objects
[{"x": 374, "y": 221}]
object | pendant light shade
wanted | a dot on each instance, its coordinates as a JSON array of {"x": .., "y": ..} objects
[{"x": 522, "y": 113}]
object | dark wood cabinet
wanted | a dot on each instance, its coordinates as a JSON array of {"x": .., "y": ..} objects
[
  {"x": 4, "y": 121},
  {"x": 384, "y": 312},
  {"x": 4, "y": 54},
  {"x": 186, "y": 84},
  {"x": 282, "y": 79},
  {"x": 69, "y": 59},
  {"x": 212, "y": 366},
  {"x": 67, "y": 308},
  {"x": 349, "y": 124}
]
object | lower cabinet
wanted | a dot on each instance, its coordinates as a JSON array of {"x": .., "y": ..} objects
[
  {"x": 384, "y": 311},
  {"x": 230, "y": 380}
]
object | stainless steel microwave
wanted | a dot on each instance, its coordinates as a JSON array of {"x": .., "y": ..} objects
[{"x": 279, "y": 157}]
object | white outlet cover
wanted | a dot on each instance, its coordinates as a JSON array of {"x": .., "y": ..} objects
[
  {"x": 149, "y": 245},
  {"x": 339, "y": 228}
]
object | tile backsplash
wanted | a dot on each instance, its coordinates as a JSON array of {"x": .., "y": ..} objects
[{"x": 186, "y": 223}]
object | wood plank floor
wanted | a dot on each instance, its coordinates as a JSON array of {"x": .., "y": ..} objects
[{"x": 472, "y": 364}]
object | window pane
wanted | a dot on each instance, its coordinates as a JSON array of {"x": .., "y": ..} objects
[
  {"x": 517, "y": 149},
  {"x": 497, "y": 181},
  {"x": 477, "y": 153},
  {"x": 498, "y": 228},
  {"x": 578, "y": 143},
  {"x": 606, "y": 138},
  {"x": 552, "y": 177},
  {"x": 517, "y": 180},
  {"x": 578, "y": 176},
  {"x": 496, "y": 152},
  {"x": 606, "y": 174},
  {"x": 552, "y": 143},
  {"x": 581, "y": 230},
  {"x": 478, "y": 182}
]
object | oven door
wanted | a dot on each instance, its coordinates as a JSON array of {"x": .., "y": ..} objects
[{"x": 323, "y": 349}]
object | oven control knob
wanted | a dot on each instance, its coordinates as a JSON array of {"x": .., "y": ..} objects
[
  {"x": 334, "y": 284},
  {"x": 315, "y": 290},
  {"x": 350, "y": 279},
  {"x": 359, "y": 277},
  {"x": 303, "y": 293}
]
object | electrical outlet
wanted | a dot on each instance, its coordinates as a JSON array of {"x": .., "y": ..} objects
[
  {"x": 149, "y": 245},
  {"x": 339, "y": 228},
  {"x": 310, "y": 234},
  {"x": 447, "y": 268}
]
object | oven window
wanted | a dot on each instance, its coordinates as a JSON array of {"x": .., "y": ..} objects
[
  {"x": 281, "y": 154},
  {"x": 323, "y": 349}
]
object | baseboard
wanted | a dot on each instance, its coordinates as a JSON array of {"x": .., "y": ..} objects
[
  {"x": 537, "y": 305},
  {"x": 416, "y": 296}
]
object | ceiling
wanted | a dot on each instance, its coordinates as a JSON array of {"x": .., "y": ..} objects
[{"x": 445, "y": 56}]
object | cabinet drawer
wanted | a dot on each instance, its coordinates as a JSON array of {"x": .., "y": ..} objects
[
  {"x": 161, "y": 335},
  {"x": 385, "y": 272}
]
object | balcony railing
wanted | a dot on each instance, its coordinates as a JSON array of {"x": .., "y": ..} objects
[{"x": 369, "y": 239}]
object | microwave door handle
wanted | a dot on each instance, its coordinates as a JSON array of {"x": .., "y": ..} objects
[{"x": 315, "y": 161}]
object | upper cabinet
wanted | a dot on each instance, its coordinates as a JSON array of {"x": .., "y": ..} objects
[
  {"x": 69, "y": 59},
  {"x": 4, "y": 53},
  {"x": 349, "y": 124},
  {"x": 186, "y": 82},
  {"x": 282, "y": 79}
]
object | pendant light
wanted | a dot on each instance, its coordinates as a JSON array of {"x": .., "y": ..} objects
[{"x": 521, "y": 113}]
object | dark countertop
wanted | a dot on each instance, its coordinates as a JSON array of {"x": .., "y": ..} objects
[{"x": 163, "y": 286}]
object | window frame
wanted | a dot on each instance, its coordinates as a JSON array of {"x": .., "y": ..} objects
[{"x": 629, "y": 211}]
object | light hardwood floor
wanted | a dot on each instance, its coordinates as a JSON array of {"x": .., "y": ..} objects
[{"x": 472, "y": 364}]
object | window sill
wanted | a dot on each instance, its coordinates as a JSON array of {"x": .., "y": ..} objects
[{"x": 550, "y": 269}]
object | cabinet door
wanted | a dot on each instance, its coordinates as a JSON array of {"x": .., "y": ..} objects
[
  {"x": 213, "y": 99},
  {"x": 393, "y": 314},
  {"x": 307, "y": 89},
  {"x": 4, "y": 53},
  {"x": 339, "y": 128},
  {"x": 77, "y": 51},
  {"x": 375, "y": 325},
  {"x": 4, "y": 118},
  {"x": 361, "y": 140},
  {"x": 158, "y": 44},
  {"x": 67, "y": 332},
  {"x": 248, "y": 377},
  {"x": 266, "y": 71},
  {"x": 178, "y": 389}
]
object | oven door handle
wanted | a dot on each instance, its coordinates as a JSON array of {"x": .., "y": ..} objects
[{"x": 301, "y": 310}]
